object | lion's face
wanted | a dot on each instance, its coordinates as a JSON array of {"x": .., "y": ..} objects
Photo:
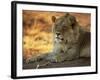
[{"x": 65, "y": 29}]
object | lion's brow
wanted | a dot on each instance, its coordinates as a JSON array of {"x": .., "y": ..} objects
[{"x": 59, "y": 22}]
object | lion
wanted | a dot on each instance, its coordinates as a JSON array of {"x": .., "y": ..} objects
[{"x": 70, "y": 40}]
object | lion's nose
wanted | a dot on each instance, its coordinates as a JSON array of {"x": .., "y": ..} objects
[{"x": 58, "y": 34}]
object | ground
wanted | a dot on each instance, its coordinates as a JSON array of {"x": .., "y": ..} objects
[{"x": 74, "y": 63}]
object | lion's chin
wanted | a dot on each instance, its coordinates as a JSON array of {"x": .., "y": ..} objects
[{"x": 58, "y": 40}]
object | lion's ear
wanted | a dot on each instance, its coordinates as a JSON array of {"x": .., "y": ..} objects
[{"x": 53, "y": 18}]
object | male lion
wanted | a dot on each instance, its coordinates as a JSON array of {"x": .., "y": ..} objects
[{"x": 69, "y": 39}]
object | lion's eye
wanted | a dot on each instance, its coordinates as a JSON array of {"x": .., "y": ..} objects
[{"x": 64, "y": 28}]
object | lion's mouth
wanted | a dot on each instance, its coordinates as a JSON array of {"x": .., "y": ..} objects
[{"x": 59, "y": 39}]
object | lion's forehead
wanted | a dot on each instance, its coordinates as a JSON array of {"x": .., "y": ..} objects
[
  {"x": 61, "y": 20},
  {"x": 61, "y": 23}
]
